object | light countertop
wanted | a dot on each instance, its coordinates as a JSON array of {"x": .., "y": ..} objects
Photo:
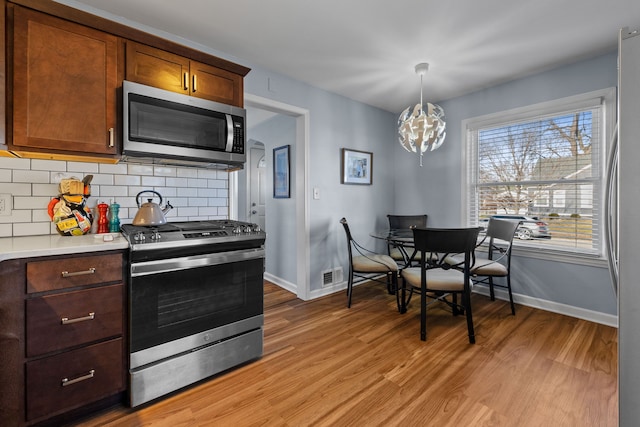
[{"x": 46, "y": 245}]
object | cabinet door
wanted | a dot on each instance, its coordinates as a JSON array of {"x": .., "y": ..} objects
[
  {"x": 216, "y": 84},
  {"x": 65, "y": 78},
  {"x": 158, "y": 68}
]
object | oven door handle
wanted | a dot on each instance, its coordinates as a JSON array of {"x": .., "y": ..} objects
[{"x": 194, "y": 261}]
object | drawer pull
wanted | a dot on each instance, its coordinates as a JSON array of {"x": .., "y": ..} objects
[
  {"x": 67, "y": 381},
  {"x": 92, "y": 270},
  {"x": 111, "y": 137},
  {"x": 67, "y": 321}
]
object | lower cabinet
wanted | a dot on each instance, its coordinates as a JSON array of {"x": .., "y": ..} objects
[
  {"x": 71, "y": 379},
  {"x": 62, "y": 337}
]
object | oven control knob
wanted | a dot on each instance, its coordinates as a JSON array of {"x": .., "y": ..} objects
[
  {"x": 237, "y": 230},
  {"x": 155, "y": 236},
  {"x": 139, "y": 237},
  {"x": 247, "y": 229},
  {"x": 256, "y": 228}
]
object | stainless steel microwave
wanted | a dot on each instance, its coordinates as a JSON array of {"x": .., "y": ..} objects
[{"x": 165, "y": 127}]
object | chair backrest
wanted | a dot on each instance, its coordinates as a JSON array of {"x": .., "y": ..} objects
[
  {"x": 405, "y": 222},
  {"x": 501, "y": 229},
  {"x": 344, "y": 223},
  {"x": 446, "y": 240}
]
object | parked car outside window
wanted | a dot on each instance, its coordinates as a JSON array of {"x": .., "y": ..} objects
[{"x": 530, "y": 227}]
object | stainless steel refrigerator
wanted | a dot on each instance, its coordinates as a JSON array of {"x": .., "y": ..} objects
[{"x": 625, "y": 235}]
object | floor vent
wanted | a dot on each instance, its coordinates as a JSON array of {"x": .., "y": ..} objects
[
  {"x": 327, "y": 278},
  {"x": 337, "y": 275}
]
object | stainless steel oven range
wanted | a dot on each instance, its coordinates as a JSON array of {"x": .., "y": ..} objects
[{"x": 195, "y": 302}]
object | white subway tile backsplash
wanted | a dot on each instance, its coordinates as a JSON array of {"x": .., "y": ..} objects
[
  {"x": 196, "y": 194},
  {"x": 137, "y": 169},
  {"x": 14, "y": 163},
  {"x": 30, "y": 176},
  {"x": 217, "y": 183},
  {"x": 153, "y": 181},
  {"x": 164, "y": 171},
  {"x": 48, "y": 165},
  {"x": 101, "y": 178},
  {"x": 112, "y": 191},
  {"x": 187, "y": 173},
  {"x": 207, "y": 174},
  {"x": 126, "y": 180},
  {"x": 5, "y": 175},
  {"x": 207, "y": 192},
  {"x": 32, "y": 229},
  {"x": 83, "y": 167},
  {"x": 17, "y": 189},
  {"x": 44, "y": 190},
  {"x": 192, "y": 182},
  {"x": 177, "y": 182},
  {"x": 39, "y": 202},
  {"x": 119, "y": 169},
  {"x": 186, "y": 212}
]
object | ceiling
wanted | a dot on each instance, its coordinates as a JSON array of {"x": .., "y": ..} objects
[{"x": 367, "y": 50}]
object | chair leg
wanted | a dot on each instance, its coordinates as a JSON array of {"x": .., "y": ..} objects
[
  {"x": 513, "y": 307},
  {"x": 403, "y": 297},
  {"x": 394, "y": 280},
  {"x": 423, "y": 314},
  {"x": 491, "y": 292},
  {"x": 349, "y": 288},
  {"x": 467, "y": 308}
]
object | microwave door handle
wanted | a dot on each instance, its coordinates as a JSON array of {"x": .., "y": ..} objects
[{"x": 229, "y": 133}]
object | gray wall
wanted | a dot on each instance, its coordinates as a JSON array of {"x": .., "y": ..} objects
[
  {"x": 280, "y": 215},
  {"x": 436, "y": 187}
]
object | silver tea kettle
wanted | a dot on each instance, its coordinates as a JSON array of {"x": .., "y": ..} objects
[{"x": 150, "y": 213}]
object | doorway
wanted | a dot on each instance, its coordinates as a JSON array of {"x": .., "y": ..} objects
[{"x": 300, "y": 283}]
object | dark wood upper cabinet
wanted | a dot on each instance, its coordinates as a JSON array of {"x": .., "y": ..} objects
[
  {"x": 158, "y": 68},
  {"x": 64, "y": 85}
]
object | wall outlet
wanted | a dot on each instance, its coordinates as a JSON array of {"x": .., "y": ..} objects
[{"x": 5, "y": 204}]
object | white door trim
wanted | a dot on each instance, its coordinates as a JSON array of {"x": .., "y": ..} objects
[{"x": 303, "y": 258}]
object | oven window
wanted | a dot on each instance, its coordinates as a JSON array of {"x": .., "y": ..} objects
[{"x": 173, "y": 305}]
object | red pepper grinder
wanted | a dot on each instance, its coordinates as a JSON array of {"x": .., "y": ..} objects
[{"x": 103, "y": 223}]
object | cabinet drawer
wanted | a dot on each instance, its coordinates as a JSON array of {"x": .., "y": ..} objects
[
  {"x": 92, "y": 373},
  {"x": 90, "y": 315},
  {"x": 55, "y": 274}
]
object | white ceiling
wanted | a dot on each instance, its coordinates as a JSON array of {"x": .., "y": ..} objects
[{"x": 367, "y": 49}]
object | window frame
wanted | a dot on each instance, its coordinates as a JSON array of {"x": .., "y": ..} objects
[{"x": 606, "y": 100}]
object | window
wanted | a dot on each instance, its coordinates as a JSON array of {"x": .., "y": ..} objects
[{"x": 543, "y": 165}]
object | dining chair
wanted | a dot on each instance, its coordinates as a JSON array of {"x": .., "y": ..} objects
[
  {"x": 437, "y": 281},
  {"x": 367, "y": 263},
  {"x": 500, "y": 233},
  {"x": 404, "y": 222}
]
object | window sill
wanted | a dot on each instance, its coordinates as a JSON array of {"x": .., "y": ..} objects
[
  {"x": 547, "y": 254},
  {"x": 561, "y": 256}
]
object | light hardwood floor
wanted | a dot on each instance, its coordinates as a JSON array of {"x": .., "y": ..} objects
[{"x": 326, "y": 365}]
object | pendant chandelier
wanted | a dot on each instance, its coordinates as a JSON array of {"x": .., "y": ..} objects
[{"x": 421, "y": 128}]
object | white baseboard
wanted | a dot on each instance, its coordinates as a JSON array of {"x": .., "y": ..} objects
[
  {"x": 282, "y": 283},
  {"x": 554, "y": 307}
]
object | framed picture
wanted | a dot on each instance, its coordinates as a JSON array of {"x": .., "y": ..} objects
[
  {"x": 281, "y": 175},
  {"x": 357, "y": 167}
]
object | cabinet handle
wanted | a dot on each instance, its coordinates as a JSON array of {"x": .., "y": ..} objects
[
  {"x": 67, "y": 321},
  {"x": 185, "y": 81},
  {"x": 67, "y": 381},
  {"x": 92, "y": 270},
  {"x": 111, "y": 137},
  {"x": 193, "y": 86}
]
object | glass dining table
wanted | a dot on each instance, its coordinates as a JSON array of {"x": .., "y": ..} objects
[{"x": 402, "y": 239}]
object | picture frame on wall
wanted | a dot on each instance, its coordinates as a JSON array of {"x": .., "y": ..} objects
[
  {"x": 357, "y": 167},
  {"x": 281, "y": 172}
]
